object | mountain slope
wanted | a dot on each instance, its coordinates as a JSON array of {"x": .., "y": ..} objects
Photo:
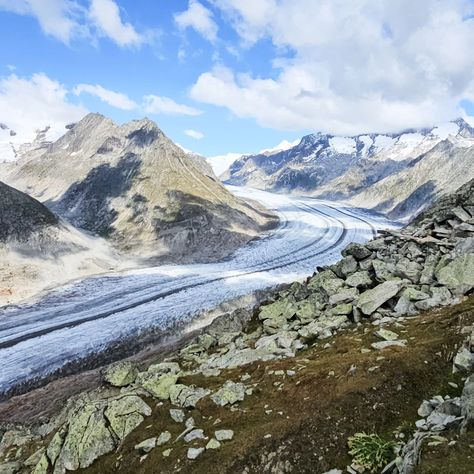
[
  {"x": 397, "y": 174},
  {"x": 135, "y": 187},
  {"x": 38, "y": 250}
]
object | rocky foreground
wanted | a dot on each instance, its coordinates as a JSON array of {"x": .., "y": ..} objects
[{"x": 382, "y": 342}]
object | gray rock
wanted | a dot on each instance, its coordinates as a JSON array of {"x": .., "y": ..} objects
[
  {"x": 458, "y": 275},
  {"x": 224, "y": 435},
  {"x": 186, "y": 396},
  {"x": 383, "y": 270},
  {"x": 229, "y": 394},
  {"x": 359, "y": 280},
  {"x": 213, "y": 444},
  {"x": 146, "y": 446},
  {"x": 120, "y": 374},
  {"x": 358, "y": 251},
  {"x": 11, "y": 467},
  {"x": 194, "y": 434},
  {"x": 87, "y": 438},
  {"x": 384, "y": 344},
  {"x": 369, "y": 301},
  {"x": 342, "y": 310},
  {"x": 386, "y": 335},
  {"x": 177, "y": 415},
  {"x": 42, "y": 467},
  {"x": 327, "y": 282},
  {"x": 345, "y": 267},
  {"x": 347, "y": 295},
  {"x": 163, "y": 438},
  {"x": 425, "y": 409},
  {"x": 158, "y": 384},
  {"x": 467, "y": 404},
  {"x": 323, "y": 326},
  {"x": 194, "y": 453},
  {"x": 464, "y": 360},
  {"x": 409, "y": 269},
  {"x": 126, "y": 413}
]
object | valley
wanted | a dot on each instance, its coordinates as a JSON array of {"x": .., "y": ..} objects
[{"x": 88, "y": 316}]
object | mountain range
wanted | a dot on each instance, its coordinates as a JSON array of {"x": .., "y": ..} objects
[
  {"x": 396, "y": 174},
  {"x": 133, "y": 186},
  {"x": 107, "y": 196}
]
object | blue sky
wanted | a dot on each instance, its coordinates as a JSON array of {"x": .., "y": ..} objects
[{"x": 224, "y": 76}]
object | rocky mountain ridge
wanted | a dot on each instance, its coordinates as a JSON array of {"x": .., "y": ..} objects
[
  {"x": 133, "y": 186},
  {"x": 368, "y": 298},
  {"x": 397, "y": 174}
]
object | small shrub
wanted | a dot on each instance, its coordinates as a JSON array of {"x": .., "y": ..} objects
[{"x": 371, "y": 451}]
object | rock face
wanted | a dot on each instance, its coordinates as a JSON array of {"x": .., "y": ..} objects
[
  {"x": 21, "y": 216},
  {"x": 135, "y": 187},
  {"x": 397, "y": 174}
]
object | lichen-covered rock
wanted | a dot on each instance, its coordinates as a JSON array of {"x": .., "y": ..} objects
[
  {"x": 345, "y": 267},
  {"x": 383, "y": 271},
  {"x": 359, "y": 280},
  {"x": 87, "y": 438},
  {"x": 229, "y": 394},
  {"x": 283, "y": 309},
  {"x": 369, "y": 301},
  {"x": 157, "y": 384},
  {"x": 126, "y": 413},
  {"x": 194, "y": 453},
  {"x": 458, "y": 275},
  {"x": 323, "y": 327},
  {"x": 467, "y": 403},
  {"x": 55, "y": 446},
  {"x": 41, "y": 467},
  {"x": 187, "y": 396},
  {"x": 326, "y": 282},
  {"x": 120, "y": 374},
  {"x": 347, "y": 295}
]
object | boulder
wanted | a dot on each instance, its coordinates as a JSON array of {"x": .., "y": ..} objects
[
  {"x": 326, "y": 282},
  {"x": 358, "y": 251},
  {"x": 463, "y": 361},
  {"x": 458, "y": 275},
  {"x": 379, "y": 346},
  {"x": 283, "y": 309},
  {"x": 383, "y": 271},
  {"x": 157, "y": 384},
  {"x": 126, "y": 413},
  {"x": 408, "y": 269},
  {"x": 120, "y": 374},
  {"x": 345, "y": 267},
  {"x": 386, "y": 335},
  {"x": 88, "y": 438},
  {"x": 342, "y": 310},
  {"x": 347, "y": 295},
  {"x": 369, "y": 301},
  {"x": 323, "y": 327},
  {"x": 177, "y": 415},
  {"x": 42, "y": 467},
  {"x": 187, "y": 396},
  {"x": 359, "y": 280},
  {"x": 229, "y": 394}
]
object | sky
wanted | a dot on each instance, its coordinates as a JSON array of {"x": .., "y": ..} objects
[{"x": 222, "y": 76}]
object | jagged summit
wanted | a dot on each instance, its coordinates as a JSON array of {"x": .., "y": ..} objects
[{"x": 131, "y": 184}]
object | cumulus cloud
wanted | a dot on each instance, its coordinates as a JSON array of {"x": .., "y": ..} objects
[
  {"x": 154, "y": 104},
  {"x": 194, "y": 134},
  {"x": 115, "y": 99},
  {"x": 68, "y": 20},
  {"x": 31, "y": 104},
  {"x": 199, "y": 18},
  {"x": 105, "y": 14},
  {"x": 349, "y": 67},
  {"x": 57, "y": 18}
]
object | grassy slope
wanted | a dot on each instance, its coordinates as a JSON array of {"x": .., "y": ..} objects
[{"x": 314, "y": 412}]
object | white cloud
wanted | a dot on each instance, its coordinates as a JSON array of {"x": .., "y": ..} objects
[
  {"x": 57, "y": 18},
  {"x": 105, "y": 14},
  {"x": 194, "y": 134},
  {"x": 115, "y": 99},
  {"x": 198, "y": 17},
  {"x": 154, "y": 104},
  {"x": 349, "y": 67},
  {"x": 68, "y": 20},
  {"x": 31, "y": 104}
]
